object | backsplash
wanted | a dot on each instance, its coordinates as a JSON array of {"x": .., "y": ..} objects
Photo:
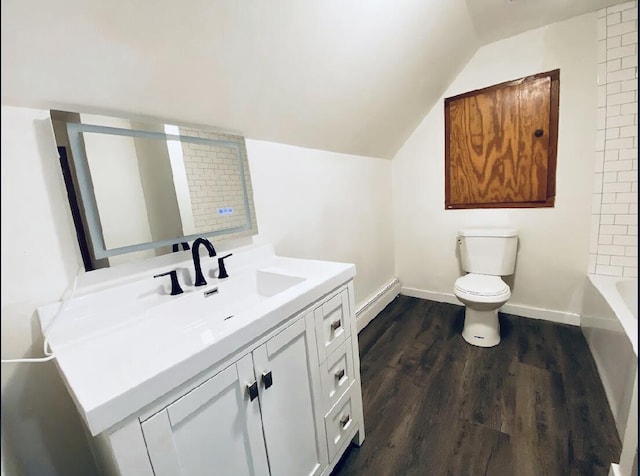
[{"x": 613, "y": 248}]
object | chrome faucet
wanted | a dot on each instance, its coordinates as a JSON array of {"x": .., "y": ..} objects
[{"x": 195, "y": 251}]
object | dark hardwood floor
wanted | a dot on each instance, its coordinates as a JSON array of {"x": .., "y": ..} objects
[{"x": 435, "y": 405}]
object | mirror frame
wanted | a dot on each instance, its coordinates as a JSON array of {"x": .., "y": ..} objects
[{"x": 83, "y": 182}]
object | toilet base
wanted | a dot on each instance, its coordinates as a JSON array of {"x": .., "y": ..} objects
[{"x": 481, "y": 328}]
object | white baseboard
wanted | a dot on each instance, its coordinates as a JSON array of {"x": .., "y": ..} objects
[
  {"x": 515, "y": 309},
  {"x": 372, "y": 307},
  {"x": 560, "y": 317},
  {"x": 430, "y": 295}
]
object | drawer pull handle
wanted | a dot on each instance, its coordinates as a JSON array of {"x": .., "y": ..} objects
[
  {"x": 252, "y": 390},
  {"x": 345, "y": 420},
  {"x": 335, "y": 325},
  {"x": 267, "y": 379},
  {"x": 339, "y": 374}
]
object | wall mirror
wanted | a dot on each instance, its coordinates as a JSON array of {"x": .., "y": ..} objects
[{"x": 139, "y": 188}]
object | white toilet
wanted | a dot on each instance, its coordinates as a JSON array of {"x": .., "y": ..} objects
[{"x": 486, "y": 254}]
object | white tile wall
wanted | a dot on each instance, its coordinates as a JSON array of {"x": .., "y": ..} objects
[
  {"x": 213, "y": 176},
  {"x": 613, "y": 246}
]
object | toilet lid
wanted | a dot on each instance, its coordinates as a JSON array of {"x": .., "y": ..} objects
[{"x": 481, "y": 285}]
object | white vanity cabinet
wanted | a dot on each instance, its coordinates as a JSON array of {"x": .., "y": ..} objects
[
  {"x": 217, "y": 428},
  {"x": 187, "y": 437},
  {"x": 286, "y": 405}
]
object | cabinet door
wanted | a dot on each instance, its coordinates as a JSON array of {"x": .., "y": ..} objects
[
  {"x": 501, "y": 143},
  {"x": 214, "y": 429},
  {"x": 287, "y": 369}
]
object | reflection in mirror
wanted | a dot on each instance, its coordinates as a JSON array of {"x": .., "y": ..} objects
[{"x": 139, "y": 189}]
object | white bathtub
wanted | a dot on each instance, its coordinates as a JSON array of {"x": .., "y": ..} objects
[{"x": 609, "y": 323}]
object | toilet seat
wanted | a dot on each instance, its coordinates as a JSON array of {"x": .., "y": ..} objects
[{"x": 482, "y": 288}]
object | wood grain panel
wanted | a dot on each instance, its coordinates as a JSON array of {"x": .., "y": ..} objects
[
  {"x": 540, "y": 441},
  {"x": 493, "y": 372},
  {"x": 500, "y": 144}
]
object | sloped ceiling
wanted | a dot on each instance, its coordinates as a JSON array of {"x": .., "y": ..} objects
[
  {"x": 340, "y": 75},
  {"x": 498, "y": 19}
]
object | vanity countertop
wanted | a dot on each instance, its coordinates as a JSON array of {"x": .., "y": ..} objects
[{"x": 121, "y": 347}]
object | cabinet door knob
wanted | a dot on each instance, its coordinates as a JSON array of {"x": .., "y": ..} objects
[
  {"x": 267, "y": 379},
  {"x": 339, "y": 374},
  {"x": 345, "y": 420},
  {"x": 538, "y": 132},
  {"x": 335, "y": 325},
  {"x": 252, "y": 390}
]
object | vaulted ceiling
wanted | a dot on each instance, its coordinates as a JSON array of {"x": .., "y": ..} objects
[{"x": 350, "y": 76}]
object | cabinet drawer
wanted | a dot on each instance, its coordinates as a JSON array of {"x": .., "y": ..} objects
[
  {"x": 339, "y": 424},
  {"x": 332, "y": 324},
  {"x": 337, "y": 374}
]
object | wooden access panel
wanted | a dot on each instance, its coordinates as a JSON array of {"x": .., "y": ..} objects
[{"x": 501, "y": 144}]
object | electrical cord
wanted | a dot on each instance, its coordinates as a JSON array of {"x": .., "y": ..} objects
[
  {"x": 29, "y": 360},
  {"x": 66, "y": 297}
]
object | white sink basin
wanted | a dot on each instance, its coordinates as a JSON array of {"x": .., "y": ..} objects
[
  {"x": 206, "y": 305},
  {"x": 222, "y": 301},
  {"x": 272, "y": 281}
]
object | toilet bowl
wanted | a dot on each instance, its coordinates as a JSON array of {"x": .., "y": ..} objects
[
  {"x": 486, "y": 255},
  {"x": 482, "y": 295}
]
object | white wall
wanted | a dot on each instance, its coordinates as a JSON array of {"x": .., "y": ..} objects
[
  {"x": 552, "y": 256},
  {"x": 614, "y": 227},
  {"x": 310, "y": 203},
  {"x": 352, "y": 77},
  {"x": 40, "y": 257},
  {"x": 324, "y": 205}
]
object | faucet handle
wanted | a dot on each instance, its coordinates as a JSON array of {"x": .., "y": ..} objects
[
  {"x": 176, "y": 246},
  {"x": 222, "y": 270},
  {"x": 175, "y": 285}
]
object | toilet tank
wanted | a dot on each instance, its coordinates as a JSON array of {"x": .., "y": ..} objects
[{"x": 488, "y": 250}]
